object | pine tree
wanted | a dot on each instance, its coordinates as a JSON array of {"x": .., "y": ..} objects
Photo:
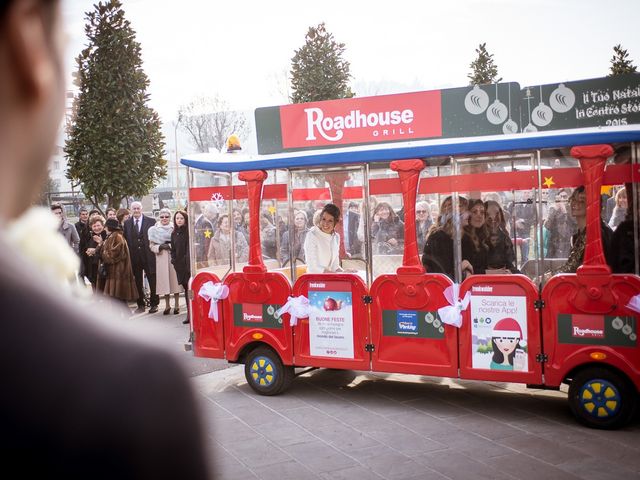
[
  {"x": 620, "y": 62},
  {"x": 115, "y": 146},
  {"x": 318, "y": 71},
  {"x": 483, "y": 69}
]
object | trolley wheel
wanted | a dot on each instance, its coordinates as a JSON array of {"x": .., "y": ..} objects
[
  {"x": 602, "y": 398},
  {"x": 265, "y": 372}
]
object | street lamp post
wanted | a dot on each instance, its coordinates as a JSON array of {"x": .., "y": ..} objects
[{"x": 175, "y": 143}]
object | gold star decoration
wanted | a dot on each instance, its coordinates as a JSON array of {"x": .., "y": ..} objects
[
  {"x": 548, "y": 181},
  {"x": 207, "y": 233}
]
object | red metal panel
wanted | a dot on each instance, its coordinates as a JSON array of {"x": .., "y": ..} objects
[
  {"x": 249, "y": 313},
  {"x": 500, "y": 332},
  {"x": 208, "y": 335},
  {"x": 321, "y": 290},
  {"x": 406, "y": 330},
  {"x": 583, "y": 315}
]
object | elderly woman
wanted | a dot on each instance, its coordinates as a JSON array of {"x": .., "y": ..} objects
[
  {"x": 118, "y": 281},
  {"x": 166, "y": 279},
  {"x": 296, "y": 249},
  {"x": 423, "y": 223}
]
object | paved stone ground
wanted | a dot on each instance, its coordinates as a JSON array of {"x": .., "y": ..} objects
[{"x": 336, "y": 425}]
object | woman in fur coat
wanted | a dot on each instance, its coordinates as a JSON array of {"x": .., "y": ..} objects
[{"x": 119, "y": 282}]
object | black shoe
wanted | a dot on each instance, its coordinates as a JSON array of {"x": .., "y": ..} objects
[
  {"x": 167, "y": 311},
  {"x": 153, "y": 309},
  {"x": 139, "y": 310},
  {"x": 176, "y": 311},
  {"x": 186, "y": 321}
]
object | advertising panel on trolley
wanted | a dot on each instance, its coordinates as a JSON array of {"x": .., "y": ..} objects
[
  {"x": 500, "y": 333},
  {"x": 336, "y": 332}
]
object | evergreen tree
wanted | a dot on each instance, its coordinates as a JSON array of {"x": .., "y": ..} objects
[
  {"x": 115, "y": 146},
  {"x": 620, "y": 62},
  {"x": 318, "y": 71},
  {"x": 483, "y": 69}
]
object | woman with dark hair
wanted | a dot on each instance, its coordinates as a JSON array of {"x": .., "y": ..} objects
[
  {"x": 238, "y": 223},
  {"x": 180, "y": 253},
  {"x": 501, "y": 255},
  {"x": 122, "y": 215},
  {"x": 98, "y": 235},
  {"x": 388, "y": 231},
  {"x": 561, "y": 226},
  {"x": 475, "y": 235},
  {"x": 119, "y": 282},
  {"x": 268, "y": 234},
  {"x": 322, "y": 243},
  {"x": 438, "y": 250},
  {"x": 220, "y": 248}
]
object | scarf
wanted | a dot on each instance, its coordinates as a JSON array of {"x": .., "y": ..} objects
[{"x": 160, "y": 234}]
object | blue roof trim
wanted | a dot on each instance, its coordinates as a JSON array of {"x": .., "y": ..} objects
[{"x": 373, "y": 153}]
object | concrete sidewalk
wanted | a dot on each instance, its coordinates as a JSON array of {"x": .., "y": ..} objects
[{"x": 335, "y": 424}]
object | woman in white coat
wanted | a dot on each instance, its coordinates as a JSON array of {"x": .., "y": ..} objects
[
  {"x": 322, "y": 243},
  {"x": 166, "y": 279}
]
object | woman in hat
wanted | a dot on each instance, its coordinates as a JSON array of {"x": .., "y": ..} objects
[{"x": 115, "y": 276}]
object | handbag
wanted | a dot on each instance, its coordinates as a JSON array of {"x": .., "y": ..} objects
[{"x": 102, "y": 270}]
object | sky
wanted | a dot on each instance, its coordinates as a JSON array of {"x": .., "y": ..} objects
[{"x": 241, "y": 51}]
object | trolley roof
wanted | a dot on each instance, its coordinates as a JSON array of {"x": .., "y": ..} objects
[{"x": 383, "y": 152}]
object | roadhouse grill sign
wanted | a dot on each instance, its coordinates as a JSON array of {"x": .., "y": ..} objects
[
  {"x": 471, "y": 111},
  {"x": 361, "y": 120}
]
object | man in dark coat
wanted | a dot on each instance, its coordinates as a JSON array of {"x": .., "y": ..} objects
[
  {"x": 136, "y": 231},
  {"x": 84, "y": 232},
  {"x": 350, "y": 221},
  {"x": 78, "y": 399}
]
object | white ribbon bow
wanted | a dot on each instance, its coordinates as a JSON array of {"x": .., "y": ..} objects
[
  {"x": 452, "y": 313},
  {"x": 634, "y": 303},
  {"x": 296, "y": 307},
  {"x": 213, "y": 292}
]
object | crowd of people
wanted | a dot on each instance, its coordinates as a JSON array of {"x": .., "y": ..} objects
[
  {"x": 494, "y": 238},
  {"x": 119, "y": 251},
  {"x": 489, "y": 237}
]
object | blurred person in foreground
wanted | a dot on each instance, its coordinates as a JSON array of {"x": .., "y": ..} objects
[{"x": 79, "y": 400}]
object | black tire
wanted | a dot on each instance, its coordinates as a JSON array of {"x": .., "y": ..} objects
[
  {"x": 602, "y": 398},
  {"x": 265, "y": 372}
]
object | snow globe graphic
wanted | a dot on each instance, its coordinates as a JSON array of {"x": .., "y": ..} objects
[
  {"x": 476, "y": 101},
  {"x": 542, "y": 115},
  {"x": 510, "y": 127},
  {"x": 497, "y": 112},
  {"x": 562, "y": 99}
]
